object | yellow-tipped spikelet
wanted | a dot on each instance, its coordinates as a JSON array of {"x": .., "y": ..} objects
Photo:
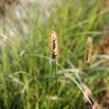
[
  {"x": 88, "y": 51},
  {"x": 54, "y": 45}
]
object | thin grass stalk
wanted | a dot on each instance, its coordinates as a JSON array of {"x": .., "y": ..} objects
[
  {"x": 88, "y": 59},
  {"x": 4, "y": 61},
  {"x": 54, "y": 56},
  {"x": 27, "y": 96},
  {"x": 48, "y": 81},
  {"x": 5, "y": 67},
  {"x": 56, "y": 77}
]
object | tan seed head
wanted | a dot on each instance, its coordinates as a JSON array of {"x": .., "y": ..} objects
[
  {"x": 54, "y": 45},
  {"x": 88, "y": 51}
]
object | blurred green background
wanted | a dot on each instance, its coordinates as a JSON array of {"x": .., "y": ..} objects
[{"x": 26, "y": 74}]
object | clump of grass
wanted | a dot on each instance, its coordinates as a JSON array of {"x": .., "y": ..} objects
[{"x": 24, "y": 64}]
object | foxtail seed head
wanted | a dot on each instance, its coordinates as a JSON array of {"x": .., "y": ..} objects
[
  {"x": 88, "y": 51},
  {"x": 54, "y": 45}
]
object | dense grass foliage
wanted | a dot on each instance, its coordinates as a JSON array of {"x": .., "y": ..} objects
[{"x": 27, "y": 79}]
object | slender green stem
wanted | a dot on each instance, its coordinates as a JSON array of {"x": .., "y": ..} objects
[
  {"x": 49, "y": 80},
  {"x": 57, "y": 91}
]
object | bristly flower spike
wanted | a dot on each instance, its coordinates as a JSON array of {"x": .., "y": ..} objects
[
  {"x": 88, "y": 51},
  {"x": 54, "y": 45}
]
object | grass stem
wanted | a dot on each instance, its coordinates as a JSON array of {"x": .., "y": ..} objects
[{"x": 57, "y": 90}]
